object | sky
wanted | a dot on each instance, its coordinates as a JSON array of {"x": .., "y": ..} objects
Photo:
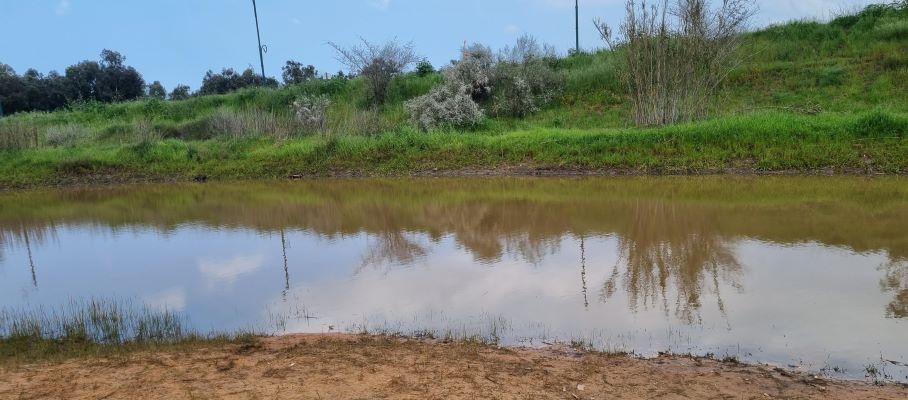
[{"x": 177, "y": 41}]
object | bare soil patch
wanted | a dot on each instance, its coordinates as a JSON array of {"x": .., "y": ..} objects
[{"x": 366, "y": 367}]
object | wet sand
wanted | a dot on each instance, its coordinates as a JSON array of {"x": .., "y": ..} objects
[{"x": 361, "y": 367}]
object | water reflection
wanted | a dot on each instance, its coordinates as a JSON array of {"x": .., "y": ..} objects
[
  {"x": 895, "y": 280},
  {"x": 778, "y": 266},
  {"x": 666, "y": 248},
  {"x": 392, "y": 248}
]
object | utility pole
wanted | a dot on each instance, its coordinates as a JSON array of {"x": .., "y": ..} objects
[
  {"x": 577, "y": 24},
  {"x": 259, "y": 35}
]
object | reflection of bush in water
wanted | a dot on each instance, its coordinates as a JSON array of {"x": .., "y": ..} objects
[
  {"x": 391, "y": 248},
  {"x": 665, "y": 248},
  {"x": 896, "y": 280}
]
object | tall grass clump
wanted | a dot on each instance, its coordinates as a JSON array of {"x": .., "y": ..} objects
[
  {"x": 96, "y": 321},
  {"x": 252, "y": 122},
  {"x": 18, "y": 135},
  {"x": 65, "y": 135},
  {"x": 677, "y": 56}
]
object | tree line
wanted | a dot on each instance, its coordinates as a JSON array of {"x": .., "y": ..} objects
[{"x": 110, "y": 80}]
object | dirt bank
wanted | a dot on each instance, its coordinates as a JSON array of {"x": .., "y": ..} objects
[{"x": 352, "y": 367}]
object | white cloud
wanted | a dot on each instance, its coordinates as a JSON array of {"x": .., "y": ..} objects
[
  {"x": 62, "y": 7},
  {"x": 219, "y": 273},
  {"x": 172, "y": 299},
  {"x": 380, "y": 4}
]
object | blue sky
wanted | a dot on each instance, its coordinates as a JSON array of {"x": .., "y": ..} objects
[{"x": 177, "y": 41}]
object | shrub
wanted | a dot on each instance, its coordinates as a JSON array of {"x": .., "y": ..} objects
[
  {"x": 522, "y": 88},
  {"x": 310, "y": 112},
  {"x": 474, "y": 69},
  {"x": 447, "y": 105}
]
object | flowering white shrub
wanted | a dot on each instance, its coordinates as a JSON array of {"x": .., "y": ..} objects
[
  {"x": 448, "y": 105},
  {"x": 523, "y": 88},
  {"x": 516, "y": 84},
  {"x": 474, "y": 69},
  {"x": 311, "y": 112}
]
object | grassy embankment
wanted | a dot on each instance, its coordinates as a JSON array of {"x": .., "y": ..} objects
[{"x": 810, "y": 97}]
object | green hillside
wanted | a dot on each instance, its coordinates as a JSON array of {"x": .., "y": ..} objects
[{"x": 808, "y": 97}]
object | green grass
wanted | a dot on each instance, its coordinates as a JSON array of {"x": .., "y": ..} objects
[
  {"x": 852, "y": 73},
  {"x": 872, "y": 142}
]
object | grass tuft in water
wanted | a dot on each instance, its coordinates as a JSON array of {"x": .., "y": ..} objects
[{"x": 96, "y": 327}]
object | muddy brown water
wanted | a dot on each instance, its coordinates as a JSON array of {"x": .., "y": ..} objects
[{"x": 808, "y": 273}]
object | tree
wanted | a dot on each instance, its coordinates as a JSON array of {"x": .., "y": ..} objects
[
  {"x": 377, "y": 64},
  {"x": 181, "y": 92},
  {"x": 156, "y": 90},
  {"x": 118, "y": 82},
  {"x": 106, "y": 81},
  {"x": 295, "y": 73},
  {"x": 82, "y": 81}
]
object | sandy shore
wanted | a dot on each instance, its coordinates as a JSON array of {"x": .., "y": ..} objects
[{"x": 364, "y": 367}]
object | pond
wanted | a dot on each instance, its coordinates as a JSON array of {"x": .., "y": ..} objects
[{"x": 802, "y": 272}]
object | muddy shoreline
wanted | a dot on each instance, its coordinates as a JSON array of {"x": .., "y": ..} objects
[
  {"x": 357, "y": 366},
  {"x": 112, "y": 178}
]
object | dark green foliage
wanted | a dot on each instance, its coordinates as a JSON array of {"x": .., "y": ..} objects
[
  {"x": 880, "y": 124},
  {"x": 181, "y": 92},
  {"x": 117, "y": 81},
  {"x": 831, "y": 76},
  {"x": 228, "y": 80},
  {"x": 106, "y": 81},
  {"x": 295, "y": 73},
  {"x": 156, "y": 90},
  {"x": 424, "y": 68}
]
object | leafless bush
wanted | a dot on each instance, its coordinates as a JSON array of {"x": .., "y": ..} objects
[
  {"x": 311, "y": 112},
  {"x": 448, "y": 105},
  {"x": 677, "y": 56},
  {"x": 378, "y": 64},
  {"x": 526, "y": 49}
]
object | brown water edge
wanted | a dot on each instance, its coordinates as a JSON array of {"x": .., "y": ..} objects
[
  {"x": 362, "y": 366},
  {"x": 109, "y": 177}
]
